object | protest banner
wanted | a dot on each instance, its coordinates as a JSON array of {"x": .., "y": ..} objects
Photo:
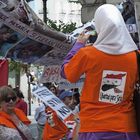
[
  {"x": 25, "y": 37},
  {"x": 30, "y": 38},
  {"x": 63, "y": 112},
  {"x": 52, "y": 101},
  {"x": 52, "y": 74}
]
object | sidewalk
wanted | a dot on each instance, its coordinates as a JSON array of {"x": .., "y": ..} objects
[{"x": 33, "y": 125}]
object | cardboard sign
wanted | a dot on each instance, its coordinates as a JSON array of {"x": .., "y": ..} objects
[{"x": 52, "y": 101}]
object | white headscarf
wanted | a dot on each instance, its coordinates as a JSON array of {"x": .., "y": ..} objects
[{"x": 113, "y": 36}]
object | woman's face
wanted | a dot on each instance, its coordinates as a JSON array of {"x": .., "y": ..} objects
[
  {"x": 53, "y": 90},
  {"x": 8, "y": 103},
  {"x": 70, "y": 102}
]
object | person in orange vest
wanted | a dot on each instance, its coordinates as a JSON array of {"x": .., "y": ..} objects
[
  {"x": 13, "y": 121},
  {"x": 110, "y": 69},
  {"x": 55, "y": 128}
]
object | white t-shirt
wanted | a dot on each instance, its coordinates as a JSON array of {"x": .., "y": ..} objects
[{"x": 40, "y": 115}]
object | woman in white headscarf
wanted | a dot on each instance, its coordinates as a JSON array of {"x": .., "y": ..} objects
[{"x": 110, "y": 68}]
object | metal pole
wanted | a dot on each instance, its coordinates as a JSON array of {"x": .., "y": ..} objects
[
  {"x": 29, "y": 95},
  {"x": 45, "y": 10},
  {"x": 29, "y": 89}
]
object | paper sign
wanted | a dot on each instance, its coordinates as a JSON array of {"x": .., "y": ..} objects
[
  {"x": 52, "y": 73},
  {"x": 52, "y": 101}
]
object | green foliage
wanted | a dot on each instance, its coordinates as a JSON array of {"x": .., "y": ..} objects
[
  {"x": 62, "y": 27},
  {"x": 17, "y": 66}
]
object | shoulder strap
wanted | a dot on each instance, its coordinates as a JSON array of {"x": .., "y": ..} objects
[{"x": 21, "y": 134}]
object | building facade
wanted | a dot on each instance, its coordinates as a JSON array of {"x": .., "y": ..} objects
[{"x": 58, "y": 10}]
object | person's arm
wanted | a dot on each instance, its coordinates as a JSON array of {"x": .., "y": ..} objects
[
  {"x": 71, "y": 53},
  {"x": 7, "y": 133},
  {"x": 80, "y": 43}
]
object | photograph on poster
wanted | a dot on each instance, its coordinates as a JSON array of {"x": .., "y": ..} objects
[
  {"x": 28, "y": 51},
  {"x": 8, "y": 38}
]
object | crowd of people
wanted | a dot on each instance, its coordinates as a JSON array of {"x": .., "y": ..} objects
[
  {"x": 13, "y": 121},
  {"x": 50, "y": 126},
  {"x": 14, "y": 116},
  {"x": 104, "y": 109}
]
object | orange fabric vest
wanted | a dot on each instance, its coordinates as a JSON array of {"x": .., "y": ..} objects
[
  {"x": 57, "y": 132},
  {"x": 96, "y": 115},
  {"x": 6, "y": 120}
]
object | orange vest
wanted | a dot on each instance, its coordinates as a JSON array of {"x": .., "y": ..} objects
[
  {"x": 57, "y": 132},
  {"x": 6, "y": 120},
  {"x": 95, "y": 115}
]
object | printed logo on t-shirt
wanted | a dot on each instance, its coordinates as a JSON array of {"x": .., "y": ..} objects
[{"x": 112, "y": 86}]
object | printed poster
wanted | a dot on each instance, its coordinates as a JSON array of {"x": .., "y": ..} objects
[
  {"x": 26, "y": 38},
  {"x": 112, "y": 86}
]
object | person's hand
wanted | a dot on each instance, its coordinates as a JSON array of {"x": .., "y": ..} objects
[
  {"x": 50, "y": 120},
  {"x": 49, "y": 114},
  {"x": 83, "y": 37}
]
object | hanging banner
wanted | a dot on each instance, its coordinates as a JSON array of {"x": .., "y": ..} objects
[
  {"x": 25, "y": 37},
  {"x": 52, "y": 74},
  {"x": 52, "y": 101},
  {"x": 3, "y": 72}
]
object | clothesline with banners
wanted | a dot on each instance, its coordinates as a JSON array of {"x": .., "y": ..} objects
[{"x": 26, "y": 38}]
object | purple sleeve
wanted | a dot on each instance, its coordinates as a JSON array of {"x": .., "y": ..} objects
[{"x": 71, "y": 53}]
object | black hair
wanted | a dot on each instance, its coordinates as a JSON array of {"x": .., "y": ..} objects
[{"x": 18, "y": 93}]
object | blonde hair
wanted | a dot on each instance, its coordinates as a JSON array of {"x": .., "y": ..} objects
[{"x": 5, "y": 91}]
